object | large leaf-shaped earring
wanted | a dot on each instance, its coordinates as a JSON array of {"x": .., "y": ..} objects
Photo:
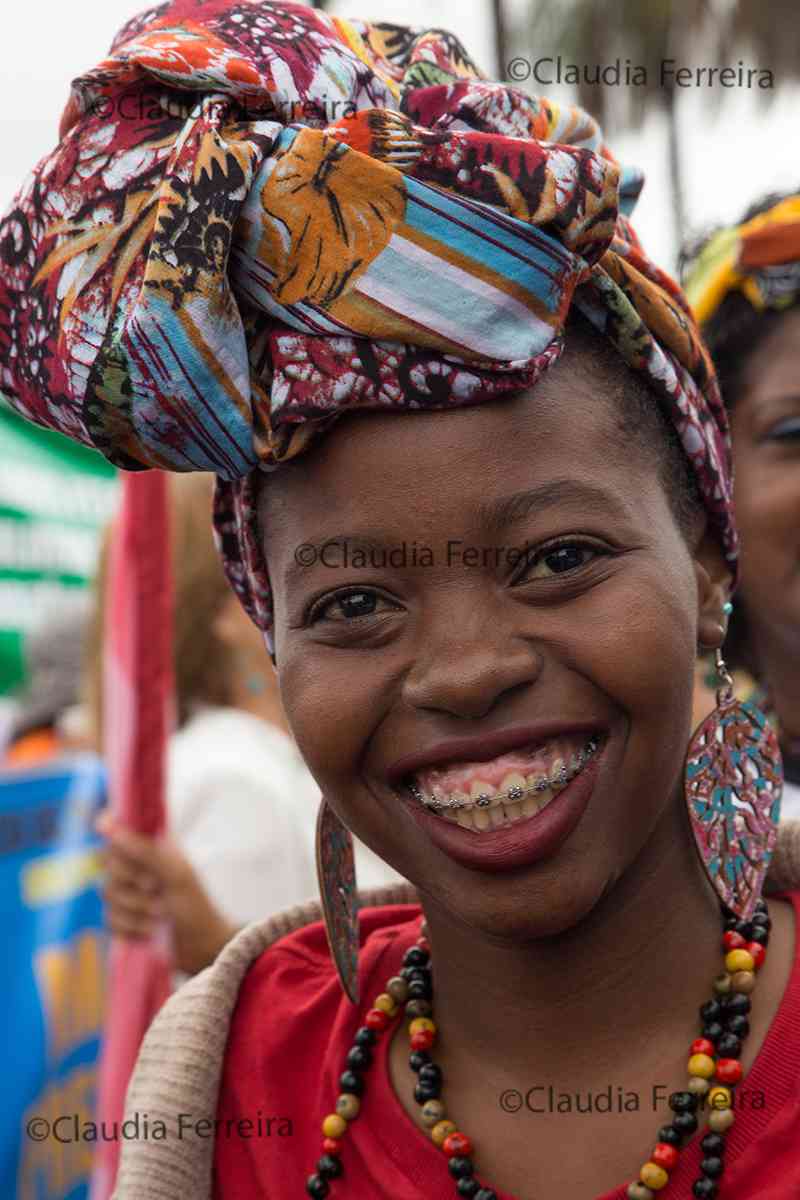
[
  {"x": 733, "y": 784},
  {"x": 336, "y": 875}
]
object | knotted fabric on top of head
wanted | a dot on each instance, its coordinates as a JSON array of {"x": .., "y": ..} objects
[
  {"x": 759, "y": 258},
  {"x": 260, "y": 217}
]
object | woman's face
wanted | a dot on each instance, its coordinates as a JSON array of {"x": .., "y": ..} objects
[
  {"x": 420, "y": 663},
  {"x": 765, "y": 426}
]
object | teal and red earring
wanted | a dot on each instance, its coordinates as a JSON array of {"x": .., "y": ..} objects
[{"x": 733, "y": 784}]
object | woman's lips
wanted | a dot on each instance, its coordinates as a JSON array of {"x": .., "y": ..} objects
[{"x": 522, "y": 843}]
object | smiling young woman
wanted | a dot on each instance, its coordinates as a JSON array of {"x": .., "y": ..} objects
[{"x": 442, "y": 285}]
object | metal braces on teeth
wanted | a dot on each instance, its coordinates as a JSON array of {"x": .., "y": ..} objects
[{"x": 562, "y": 777}]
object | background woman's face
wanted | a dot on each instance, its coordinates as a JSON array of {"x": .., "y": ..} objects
[
  {"x": 766, "y": 440},
  {"x": 594, "y": 632}
]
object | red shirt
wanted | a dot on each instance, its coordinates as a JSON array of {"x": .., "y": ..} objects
[{"x": 292, "y": 1028}]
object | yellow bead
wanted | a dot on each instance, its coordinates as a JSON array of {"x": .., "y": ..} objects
[
  {"x": 420, "y": 1024},
  {"x": 347, "y": 1106},
  {"x": 637, "y": 1191},
  {"x": 720, "y": 1120},
  {"x": 719, "y": 1097},
  {"x": 385, "y": 1003},
  {"x": 334, "y": 1126},
  {"x": 441, "y": 1131},
  {"x": 739, "y": 960},
  {"x": 702, "y": 1065},
  {"x": 432, "y": 1113},
  {"x": 743, "y": 981},
  {"x": 653, "y": 1176},
  {"x": 698, "y": 1086}
]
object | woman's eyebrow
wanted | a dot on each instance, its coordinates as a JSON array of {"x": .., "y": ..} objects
[{"x": 496, "y": 515}]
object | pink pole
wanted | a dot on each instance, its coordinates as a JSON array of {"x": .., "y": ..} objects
[{"x": 137, "y": 713}]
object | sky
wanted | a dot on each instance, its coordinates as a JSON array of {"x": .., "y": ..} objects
[{"x": 730, "y": 158}]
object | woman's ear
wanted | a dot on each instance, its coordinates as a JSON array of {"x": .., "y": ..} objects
[{"x": 714, "y": 586}]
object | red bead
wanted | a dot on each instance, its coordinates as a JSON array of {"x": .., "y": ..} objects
[
  {"x": 457, "y": 1145},
  {"x": 732, "y": 940},
  {"x": 702, "y": 1046},
  {"x": 757, "y": 953},
  {"x": 377, "y": 1020},
  {"x": 664, "y": 1156},
  {"x": 331, "y": 1145},
  {"x": 729, "y": 1070},
  {"x": 422, "y": 1040}
]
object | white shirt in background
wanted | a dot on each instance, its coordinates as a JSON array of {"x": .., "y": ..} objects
[
  {"x": 790, "y": 803},
  {"x": 243, "y": 808}
]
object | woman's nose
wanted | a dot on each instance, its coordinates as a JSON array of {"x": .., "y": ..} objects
[{"x": 468, "y": 661}]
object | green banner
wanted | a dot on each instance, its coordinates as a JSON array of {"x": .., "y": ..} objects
[{"x": 55, "y": 498}]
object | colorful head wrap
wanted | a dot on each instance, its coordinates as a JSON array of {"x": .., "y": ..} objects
[
  {"x": 759, "y": 258},
  {"x": 261, "y": 217}
]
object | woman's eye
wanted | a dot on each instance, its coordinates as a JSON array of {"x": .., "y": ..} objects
[
  {"x": 559, "y": 559},
  {"x": 349, "y": 605},
  {"x": 785, "y": 430}
]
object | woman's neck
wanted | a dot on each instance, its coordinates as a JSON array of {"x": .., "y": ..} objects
[
  {"x": 648, "y": 940},
  {"x": 780, "y": 671}
]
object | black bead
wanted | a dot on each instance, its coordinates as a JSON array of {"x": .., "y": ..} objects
[
  {"x": 329, "y": 1166},
  {"x": 669, "y": 1135},
  {"x": 762, "y": 906},
  {"x": 418, "y": 1059},
  {"x": 728, "y": 1046},
  {"x": 713, "y": 1144},
  {"x": 468, "y": 1187},
  {"x": 737, "y": 1003},
  {"x": 427, "y": 1091},
  {"x": 316, "y": 1186},
  {"x": 365, "y": 1036},
  {"x": 683, "y": 1102},
  {"x": 685, "y": 1123},
  {"x": 713, "y": 1030},
  {"x": 739, "y": 1025},
  {"x": 745, "y": 928},
  {"x": 710, "y": 1011},
  {"x": 415, "y": 957},
  {"x": 712, "y": 1166},
  {"x": 460, "y": 1167},
  {"x": 761, "y": 936},
  {"x": 418, "y": 989},
  {"x": 351, "y": 1081},
  {"x": 430, "y": 1073},
  {"x": 485, "y": 1194},
  {"x": 359, "y": 1058},
  {"x": 704, "y": 1189}
]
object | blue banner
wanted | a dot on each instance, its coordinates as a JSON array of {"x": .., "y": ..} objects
[{"x": 53, "y": 977}]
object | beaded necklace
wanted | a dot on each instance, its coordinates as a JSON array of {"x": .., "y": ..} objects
[{"x": 714, "y": 1070}]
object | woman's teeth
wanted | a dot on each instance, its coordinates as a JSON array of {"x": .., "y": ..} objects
[{"x": 485, "y": 807}]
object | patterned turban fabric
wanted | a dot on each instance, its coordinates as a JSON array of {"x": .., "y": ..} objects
[
  {"x": 260, "y": 217},
  {"x": 760, "y": 259}
]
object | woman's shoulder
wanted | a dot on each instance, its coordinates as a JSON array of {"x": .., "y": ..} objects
[{"x": 258, "y": 990}]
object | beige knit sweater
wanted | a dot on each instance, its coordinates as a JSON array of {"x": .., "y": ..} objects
[{"x": 180, "y": 1062}]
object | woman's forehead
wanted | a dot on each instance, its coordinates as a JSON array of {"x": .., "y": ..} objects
[{"x": 558, "y": 445}]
